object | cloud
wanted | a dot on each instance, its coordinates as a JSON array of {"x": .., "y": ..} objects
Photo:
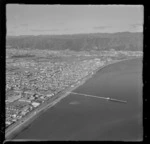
[
  {"x": 49, "y": 30},
  {"x": 15, "y": 27},
  {"x": 23, "y": 25},
  {"x": 10, "y": 32},
  {"x": 43, "y": 30},
  {"x": 102, "y": 27},
  {"x": 20, "y": 26},
  {"x": 136, "y": 25}
]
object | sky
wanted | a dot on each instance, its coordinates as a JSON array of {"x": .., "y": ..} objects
[{"x": 72, "y": 19}]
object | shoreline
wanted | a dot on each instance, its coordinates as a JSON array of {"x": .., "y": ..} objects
[
  {"x": 55, "y": 99},
  {"x": 58, "y": 98}
]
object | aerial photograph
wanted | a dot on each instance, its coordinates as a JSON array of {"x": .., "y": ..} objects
[{"x": 74, "y": 72}]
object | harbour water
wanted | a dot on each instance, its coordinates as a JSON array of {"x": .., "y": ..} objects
[{"x": 78, "y": 117}]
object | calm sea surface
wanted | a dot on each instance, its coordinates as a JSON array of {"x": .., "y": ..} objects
[{"x": 78, "y": 117}]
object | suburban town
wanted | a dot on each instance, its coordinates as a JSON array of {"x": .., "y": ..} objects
[
  {"x": 29, "y": 84},
  {"x": 29, "y": 88}
]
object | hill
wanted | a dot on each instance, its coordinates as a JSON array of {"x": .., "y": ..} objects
[{"x": 79, "y": 42}]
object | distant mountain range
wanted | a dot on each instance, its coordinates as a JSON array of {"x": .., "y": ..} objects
[{"x": 79, "y": 42}]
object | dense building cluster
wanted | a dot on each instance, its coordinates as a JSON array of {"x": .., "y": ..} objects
[
  {"x": 29, "y": 84},
  {"x": 32, "y": 79}
]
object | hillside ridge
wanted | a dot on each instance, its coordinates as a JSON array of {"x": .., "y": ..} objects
[{"x": 79, "y": 42}]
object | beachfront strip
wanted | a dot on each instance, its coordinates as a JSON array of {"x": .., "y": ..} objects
[{"x": 31, "y": 86}]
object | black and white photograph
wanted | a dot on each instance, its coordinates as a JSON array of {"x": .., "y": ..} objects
[{"x": 74, "y": 72}]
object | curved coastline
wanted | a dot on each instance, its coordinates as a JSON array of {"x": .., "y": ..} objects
[{"x": 58, "y": 97}]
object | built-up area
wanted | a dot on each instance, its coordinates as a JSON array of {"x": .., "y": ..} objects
[{"x": 30, "y": 84}]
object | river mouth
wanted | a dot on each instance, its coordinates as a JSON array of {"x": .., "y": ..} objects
[{"x": 78, "y": 117}]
